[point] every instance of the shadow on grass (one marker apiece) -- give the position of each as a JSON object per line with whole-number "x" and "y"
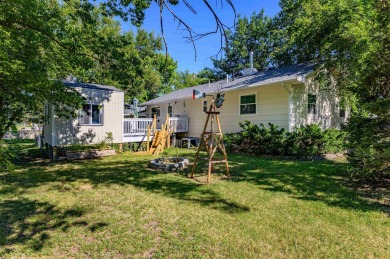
{"x": 311, "y": 181}
{"x": 121, "y": 171}
{"x": 322, "y": 181}
{"x": 25, "y": 221}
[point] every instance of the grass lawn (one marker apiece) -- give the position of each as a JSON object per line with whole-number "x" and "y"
{"x": 117, "y": 207}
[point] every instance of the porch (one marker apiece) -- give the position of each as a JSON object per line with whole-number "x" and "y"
{"x": 136, "y": 129}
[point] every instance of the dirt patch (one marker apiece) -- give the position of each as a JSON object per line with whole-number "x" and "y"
{"x": 153, "y": 226}
{"x": 86, "y": 187}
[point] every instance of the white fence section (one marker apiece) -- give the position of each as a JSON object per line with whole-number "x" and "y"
{"x": 178, "y": 124}
{"x": 136, "y": 126}
{"x": 139, "y": 126}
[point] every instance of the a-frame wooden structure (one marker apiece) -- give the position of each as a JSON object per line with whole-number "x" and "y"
{"x": 211, "y": 141}
{"x": 161, "y": 138}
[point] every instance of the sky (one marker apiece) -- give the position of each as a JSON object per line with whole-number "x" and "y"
{"x": 203, "y": 21}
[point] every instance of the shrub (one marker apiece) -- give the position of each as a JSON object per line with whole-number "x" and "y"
{"x": 369, "y": 147}
{"x": 305, "y": 141}
{"x": 335, "y": 140}
{"x": 308, "y": 140}
{"x": 6, "y": 157}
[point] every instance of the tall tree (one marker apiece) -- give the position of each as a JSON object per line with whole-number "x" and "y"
{"x": 43, "y": 40}
{"x": 351, "y": 41}
{"x": 250, "y": 35}
{"x": 46, "y": 40}
{"x": 33, "y": 53}
{"x": 211, "y": 74}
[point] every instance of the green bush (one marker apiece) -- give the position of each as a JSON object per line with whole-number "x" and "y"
{"x": 305, "y": 141}
{"x": 335, "y": 140}
{"x": 6, "y": 157}
{"x": 308, "y": 140}
{"x": 369, "y": 147}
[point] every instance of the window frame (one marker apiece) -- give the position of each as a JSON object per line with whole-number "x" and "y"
{"x": 170, "y": 107}
{"x": 101, "y": 114}
{"x": 255, "y": 103}
{"x": 342, "y": 113}
{"x": 310, "y": 108}
{"x": 157, "y": 111}
{"x": 204, "y": 106}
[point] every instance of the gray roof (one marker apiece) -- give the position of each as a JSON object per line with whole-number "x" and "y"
{"x": 91, "y": 86}
{"x": 295, "y": 72}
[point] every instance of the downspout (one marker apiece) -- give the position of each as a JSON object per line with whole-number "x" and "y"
{"x": 288, "y": 88}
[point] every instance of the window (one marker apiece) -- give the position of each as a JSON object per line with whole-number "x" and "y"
{"x": 248, "y": 104}
{"x": 91, "y": 114}
{"x": 170, "y": 110}
{"x": 311, "y": 104}
{"x": 156, "y": 110}
{"x": 342, "y": 113}
{"x": 204, "y": 106}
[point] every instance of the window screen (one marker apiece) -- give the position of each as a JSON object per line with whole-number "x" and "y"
{"x": 155, "y": 110}
{"x": 248, "y": 104}
{"x": 90, "y": 114}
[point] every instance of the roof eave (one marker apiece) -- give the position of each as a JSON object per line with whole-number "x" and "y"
{"x": 298, "y": 79}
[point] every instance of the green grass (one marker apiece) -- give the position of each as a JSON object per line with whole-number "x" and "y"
{"x": 117, "y": 207}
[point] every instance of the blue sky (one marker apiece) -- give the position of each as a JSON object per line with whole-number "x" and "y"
{"x": 201, "y": 22}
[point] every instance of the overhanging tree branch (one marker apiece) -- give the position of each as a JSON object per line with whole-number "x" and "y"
{"x": 9, "y": 23}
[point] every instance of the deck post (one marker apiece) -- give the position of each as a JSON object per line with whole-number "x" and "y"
{"x": 168, "y": 125}
{"x": 154, "y": 123}
{"x": 148, "y": 139}
{"x": 55, "y": 154}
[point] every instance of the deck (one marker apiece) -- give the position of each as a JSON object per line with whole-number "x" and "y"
{"x": 135, "y": 129}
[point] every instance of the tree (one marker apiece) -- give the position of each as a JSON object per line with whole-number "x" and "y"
{"x": 350, "y": 40}
{"x": 130, "y": 61}
{"x": 42, "y": 41}
{"x": 46, "y": 40}
{"x": 135, "y": 11}
{"x": 251, "y": 35}
{"x": 211, "y": 74}
{"x": 184, "y": 79}
{"x": 33, "y": 53}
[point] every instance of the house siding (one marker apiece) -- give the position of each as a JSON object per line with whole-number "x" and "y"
{"x": 272, "y": 105}
{"x": 327, "y": 105}
{"x": 68, "y": 131}
{"x": 283, "y": 104}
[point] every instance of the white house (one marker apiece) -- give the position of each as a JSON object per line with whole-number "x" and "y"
{"x": 287, "y": 97}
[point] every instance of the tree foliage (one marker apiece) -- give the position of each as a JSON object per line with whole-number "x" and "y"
{"x": 351, "y": 39}
{"x": 350, "y": 42}
{"x": 250, "y": 34}
{"x": 33, "y": 52}
{"x": 42, "y": 41}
